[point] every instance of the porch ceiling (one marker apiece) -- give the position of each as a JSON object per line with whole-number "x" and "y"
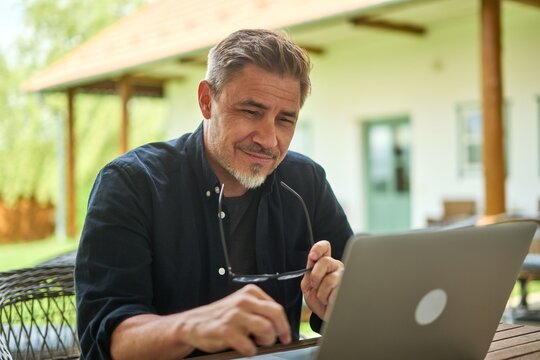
{"x": 152, "y": 43}
{"x": 170, "y": 29}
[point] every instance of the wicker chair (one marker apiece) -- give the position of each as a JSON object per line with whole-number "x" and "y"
{"x": 4, "y": 353}
{"x": 37, "y": 312}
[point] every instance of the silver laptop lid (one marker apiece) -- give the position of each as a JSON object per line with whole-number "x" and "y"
{"x": 425, "y": 295}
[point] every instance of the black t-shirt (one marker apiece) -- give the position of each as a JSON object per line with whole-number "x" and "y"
{"x": 241, "y": 240}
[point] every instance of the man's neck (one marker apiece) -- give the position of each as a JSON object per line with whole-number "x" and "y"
{"x": 232, "y": 187}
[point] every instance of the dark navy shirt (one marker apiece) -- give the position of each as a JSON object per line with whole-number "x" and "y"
{"x": 150, "y": 242}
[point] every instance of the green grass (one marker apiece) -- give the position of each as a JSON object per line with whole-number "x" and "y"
{"x": 305, "y": 330}
{"x": 24, "y": 254}
{"x": 532, "y": 287}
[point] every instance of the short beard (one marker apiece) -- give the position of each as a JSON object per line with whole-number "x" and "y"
{"x": 250, "y": 180}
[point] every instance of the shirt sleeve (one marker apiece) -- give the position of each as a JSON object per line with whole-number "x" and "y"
{"x": 113, "y": 266}
{"x": 330, "y": 221}
{"x": 330, "y": 224}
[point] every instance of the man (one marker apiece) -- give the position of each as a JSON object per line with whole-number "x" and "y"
{"x": 173, "y": 228}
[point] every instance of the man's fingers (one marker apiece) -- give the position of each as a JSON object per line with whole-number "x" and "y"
{"x": 243, "y": 328}
{"x": 319, "y": 284}
{"x": 261, "y": 329}
{"x": 318, "y": 250}
{"x": 264, "y": 306}
{"x": 332, "y": 296}
{"x": 239, "y": 321}
{"x": 324, "y": 266}
{"x": 275, "y": 313}
{"x": 329, "y": 284}
{"x": 251, "y": 326}
{"x": 241, "y": 343}
{"x": 256, "y": 291}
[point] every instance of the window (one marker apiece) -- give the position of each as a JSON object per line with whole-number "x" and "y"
{"x": 470, "y": 138}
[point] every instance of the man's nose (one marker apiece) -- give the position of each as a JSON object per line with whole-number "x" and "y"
{"x": 265, "y": 134}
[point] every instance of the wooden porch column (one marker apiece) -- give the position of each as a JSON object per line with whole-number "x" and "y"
{"x": 494, "y": 171}
{"x": 70, "y": 168}
{"x": 125, "y": 91}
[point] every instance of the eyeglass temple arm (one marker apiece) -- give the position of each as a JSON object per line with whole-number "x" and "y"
{"x": 222, "y": 232}
{"x": 288, "y": 188}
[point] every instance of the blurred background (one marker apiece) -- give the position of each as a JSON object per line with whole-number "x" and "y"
{"x": 34, "y": 34}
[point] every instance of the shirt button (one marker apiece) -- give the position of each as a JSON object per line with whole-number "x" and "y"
{"x": 208, "y": 193}
{"x": 221, "y": 214}
{"x": 216, "y": 189}
{"x": 221, "y": 271}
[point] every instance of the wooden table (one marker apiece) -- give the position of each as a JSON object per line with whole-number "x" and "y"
{"x": 510, "y": 342}
{"x": 515, "y": 342}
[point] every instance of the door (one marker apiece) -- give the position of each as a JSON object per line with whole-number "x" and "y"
{"x": 387, "y": 179}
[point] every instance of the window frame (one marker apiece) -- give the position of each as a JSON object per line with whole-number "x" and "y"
{"x": 465, "y": 170}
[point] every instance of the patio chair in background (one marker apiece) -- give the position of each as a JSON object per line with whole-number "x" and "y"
{"x": 530, "y": 271}
{"x": 454, "y": 211}
{"x": 37, "y": 312}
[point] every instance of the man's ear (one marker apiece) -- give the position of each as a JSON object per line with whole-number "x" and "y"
{"x": 205, "y": 100}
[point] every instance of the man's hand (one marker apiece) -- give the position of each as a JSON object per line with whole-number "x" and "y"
{"x": 241, "y": 321}
{"x": 320, "y": 284}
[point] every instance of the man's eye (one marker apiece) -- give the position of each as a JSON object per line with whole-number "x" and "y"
{"x": 287, "y": 120}
{"x": 249, "y": 112}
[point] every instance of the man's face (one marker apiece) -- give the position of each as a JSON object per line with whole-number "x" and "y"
{"x": 249, "y": 127}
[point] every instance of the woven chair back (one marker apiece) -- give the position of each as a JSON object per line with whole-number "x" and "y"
{"x": 37, "y": 313}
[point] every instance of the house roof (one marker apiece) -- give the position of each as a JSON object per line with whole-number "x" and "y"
{"x": 169, "y": 29}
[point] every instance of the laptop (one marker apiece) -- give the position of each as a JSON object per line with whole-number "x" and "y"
{"x": 422, "y": 295}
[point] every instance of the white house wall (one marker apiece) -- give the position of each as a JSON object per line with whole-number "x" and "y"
{"x": 522, "y": 85}
{"x": 184, "y": 114}
{"x": 424, "y": 78}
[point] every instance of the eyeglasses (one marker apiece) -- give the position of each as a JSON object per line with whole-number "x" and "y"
{"x": 243, "y": 278}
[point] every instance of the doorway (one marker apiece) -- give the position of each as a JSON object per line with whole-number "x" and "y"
{"x": 387, "y": 174}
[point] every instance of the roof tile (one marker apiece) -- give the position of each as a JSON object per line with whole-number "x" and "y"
{"x": 168, "y": 28}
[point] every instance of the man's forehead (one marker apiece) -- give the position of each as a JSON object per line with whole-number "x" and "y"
{"x": 257, "y": 75}
{"x": 256, "y": 86}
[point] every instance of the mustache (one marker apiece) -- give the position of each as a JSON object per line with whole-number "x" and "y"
{"x": 272, "y": 152}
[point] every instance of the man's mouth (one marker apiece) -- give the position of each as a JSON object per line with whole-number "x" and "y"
{"x": 260, "y": 155}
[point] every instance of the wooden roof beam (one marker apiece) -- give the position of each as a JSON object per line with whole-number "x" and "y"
{"x": 315, "y": 50}
{"x": 411, "y": 29}
{"x": 193, "y": 60}
{"x": 202, "y": 61}
{"x": 141, "y": 87}
{"x": 535, "y": 3}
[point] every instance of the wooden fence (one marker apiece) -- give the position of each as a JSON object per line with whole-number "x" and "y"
{"x": 26, "y": 220}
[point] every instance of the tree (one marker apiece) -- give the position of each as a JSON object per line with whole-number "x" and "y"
{"x": 31, "y": 124}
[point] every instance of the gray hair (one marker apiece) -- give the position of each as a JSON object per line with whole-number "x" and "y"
{"x": 269, "y": 50}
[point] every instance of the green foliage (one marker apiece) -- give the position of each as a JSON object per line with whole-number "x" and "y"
{"x": 26, "y": 254}
{"x": 26, "y": 142}
{"x": 57, "y": 26}
{"x": 97, "y": 132}
{"x": 32, "y": 126}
